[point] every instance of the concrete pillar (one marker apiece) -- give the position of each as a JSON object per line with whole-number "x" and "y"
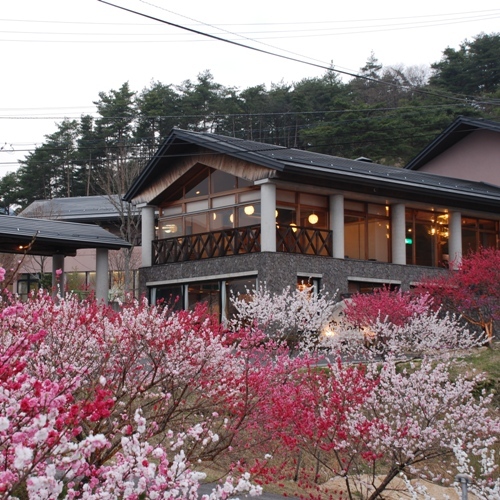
{"x": 398, "y": 233}
{"x": 102, "y": 275}
{"x": 147, "y": 234}
{"x": 337, "y": 225}
{"x": 57, "y": 275}
{"x": 268, "y": 217}
{"x": 455, "y": 239}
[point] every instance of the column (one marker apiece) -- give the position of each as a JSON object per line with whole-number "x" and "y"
{"x": 268, "y": 217}
{"x": 102, "y": 275}
{"x": 337, "y": 225}
{"x": 57, "y": 275}
{"x": 455, "y": 241}
{"x": 398, "y": 233}
{"x": 147, "y": 233}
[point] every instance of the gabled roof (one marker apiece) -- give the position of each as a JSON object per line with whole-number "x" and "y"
{"x": 311, "y": 168}
{"x": 50, "y": 237}
{"x": 457, "y": 131}
{"x": 76, "y": 209}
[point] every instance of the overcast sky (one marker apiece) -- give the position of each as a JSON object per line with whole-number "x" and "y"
{"x": 57, "y": 55}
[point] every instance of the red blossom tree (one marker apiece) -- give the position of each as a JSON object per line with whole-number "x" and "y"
{"x": 473, "y": 291}
{"x": 388, "y": 306}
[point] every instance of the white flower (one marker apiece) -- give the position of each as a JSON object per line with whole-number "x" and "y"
{"x": 4, "y": 423}
{"x": 23, "y": 456}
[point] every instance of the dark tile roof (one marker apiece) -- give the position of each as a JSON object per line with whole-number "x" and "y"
{"x": 458, "y": 130}
{"x": 319, "y": 169}
{"x": 81, "y": 208}
{"x": 51, "y": 236}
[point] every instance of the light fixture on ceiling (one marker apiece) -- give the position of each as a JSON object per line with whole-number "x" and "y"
{"x": 313, "y": 218}
{"x": 249, "y": 209}
{"x": 294, "y": 227}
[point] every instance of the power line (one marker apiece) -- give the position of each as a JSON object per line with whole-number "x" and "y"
{"x": 293, "y": 59}
{"x": 250, "y": 115}
{"x": 301, "y": 22}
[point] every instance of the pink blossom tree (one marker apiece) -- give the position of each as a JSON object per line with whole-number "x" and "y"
{"x": 84, "y": 389}
{"x": 297, "y": 316}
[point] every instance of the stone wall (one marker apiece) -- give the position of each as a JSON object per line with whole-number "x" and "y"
{"x": 279, "y": 270}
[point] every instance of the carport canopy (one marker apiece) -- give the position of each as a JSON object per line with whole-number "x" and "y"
{"x": 22, "y": 235}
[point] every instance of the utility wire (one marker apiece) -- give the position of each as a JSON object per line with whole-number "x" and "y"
{"x": 293, "y": 59}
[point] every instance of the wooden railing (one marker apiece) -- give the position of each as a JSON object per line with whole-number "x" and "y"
{"x": 304, "y": 240}
{"x": 238, "y": 241}
{"x": 207, "y": 245}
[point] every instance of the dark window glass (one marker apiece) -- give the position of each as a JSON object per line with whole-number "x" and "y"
{"x": 197, "y": 186}
{"x": 221, "y": 181}
{"x": 249, "y": 215}
{"x": 208, "y": 292}
{"x": 238, "y": 288}
{"x": 171, "y": 296}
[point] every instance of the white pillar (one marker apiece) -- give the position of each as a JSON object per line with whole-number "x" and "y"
{"x": 57, "y": 274}
{"x": 268, "y": 217}
{"x": 398, "y": 233}
{"x": 337, "y": 225}
{"x": 147, "y": 234}
{"x": 455, "y": 239}
{"x": 102, "y": 275}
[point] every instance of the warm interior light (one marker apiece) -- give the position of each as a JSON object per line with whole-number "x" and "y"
{"x": 313, "y": 218}
{"x": 231, "y": 218}
{"x": 328, "y": 332}
{"x": 249, "y": 209}
{"x": 169, "y": 228}
{"x": 276, "y": 213}
{"x": 214, "y": 215}
{"x": 294, "y": 227}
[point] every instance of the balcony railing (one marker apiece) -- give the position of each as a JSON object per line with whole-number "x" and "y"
{"x": 238, "y": 241}
{"x": 304, "y": 240}
{"x": 207, "y": 245}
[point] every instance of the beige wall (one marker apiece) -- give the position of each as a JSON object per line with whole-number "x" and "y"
{"x": 475, "y": 158}
{"x": 85, "y": 260}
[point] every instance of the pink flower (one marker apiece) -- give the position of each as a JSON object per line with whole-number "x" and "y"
{"x": 2, "y": 273}
{"x": 58, "y": 272}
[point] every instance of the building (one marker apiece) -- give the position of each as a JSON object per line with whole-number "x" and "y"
{"x": 108, "y": 212}
{"x": 468, "y": 149}
{"x": 220, "y": 214}
{"x": 57, "y": 240}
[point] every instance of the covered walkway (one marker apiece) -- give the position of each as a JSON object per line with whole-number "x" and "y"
{"x": 56, "y": 239}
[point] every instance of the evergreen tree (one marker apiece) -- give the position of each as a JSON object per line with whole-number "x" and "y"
{"x": 158, "y": 112}
{"x": 473, "y": 69}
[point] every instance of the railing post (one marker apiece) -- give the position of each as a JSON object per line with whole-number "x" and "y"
{"x": 464, "y": 480}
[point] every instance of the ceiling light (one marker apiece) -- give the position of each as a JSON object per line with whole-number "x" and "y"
{"x": 313, "y": 218}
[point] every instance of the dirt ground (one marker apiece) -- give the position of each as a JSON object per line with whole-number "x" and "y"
{"x": 398, "y": 490}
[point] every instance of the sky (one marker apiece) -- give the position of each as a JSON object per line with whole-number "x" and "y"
{"x": 57, "y": 55}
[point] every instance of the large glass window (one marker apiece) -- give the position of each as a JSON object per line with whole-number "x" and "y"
{"x": 478, "y": 233}
{"x": 366, "y": 231}
{"x": 427, "y": 236}
{"x": 171, "y": 296}
{"x": 205, "y": 292}
{"x": 236, "y": 288}
{"x": 215, "y": 294}
{"x": 211, "y": 201}
{"x": 197, "y": 187}
{"x": 301, "y": 209}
